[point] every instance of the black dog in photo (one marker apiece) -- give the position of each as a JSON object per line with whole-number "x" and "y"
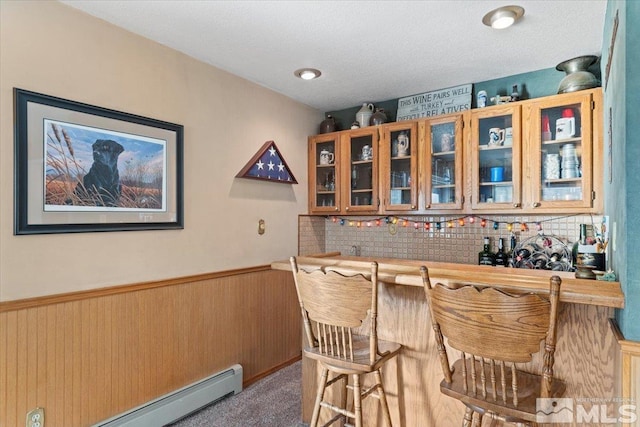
{"x": 101, "y": 185}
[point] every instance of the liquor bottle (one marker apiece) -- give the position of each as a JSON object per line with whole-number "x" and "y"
{"x": 486, "y": 257}
{"x": 581, "y": 241}
{"x": 510, "y": 254}
{"x": 501, "y": 257}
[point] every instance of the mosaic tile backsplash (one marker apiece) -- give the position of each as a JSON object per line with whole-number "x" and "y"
{"x": 459, "y": 244}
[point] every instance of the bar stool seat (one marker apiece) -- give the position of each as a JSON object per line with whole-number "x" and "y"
{"x": 339, "y": 311}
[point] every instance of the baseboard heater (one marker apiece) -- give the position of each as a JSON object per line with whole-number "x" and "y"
{"x": 182, "y": 402}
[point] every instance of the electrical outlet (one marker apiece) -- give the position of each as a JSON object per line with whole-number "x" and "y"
{"x": 35, "y": 418}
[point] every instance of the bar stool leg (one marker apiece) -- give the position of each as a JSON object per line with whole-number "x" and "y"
{"x": 468, "y": 417}
{"x": 383, "y": 398}
{"x": 345, "y": 394}
{"x": 357, "y": 399}
{"x": 319, "y": 395}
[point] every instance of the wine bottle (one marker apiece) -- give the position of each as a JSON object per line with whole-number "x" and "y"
{"x": 511, "y": 253}
{"x": 486, "y": 257}
{"x": 501, "y": 257}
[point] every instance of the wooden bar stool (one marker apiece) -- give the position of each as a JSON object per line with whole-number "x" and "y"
{"x": 494, "y": 330}
{"x": 338, "y": 301}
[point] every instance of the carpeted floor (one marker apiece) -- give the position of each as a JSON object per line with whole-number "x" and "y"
{"x": 274, "y": 401}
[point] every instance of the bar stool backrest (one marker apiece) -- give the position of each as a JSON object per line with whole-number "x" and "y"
{"x": 494, "y": 327}
{"x": 335, "y": 304}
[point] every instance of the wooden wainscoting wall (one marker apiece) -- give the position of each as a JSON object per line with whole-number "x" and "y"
{"x": 629, "y": 371}
{"x": 87, "y": 356}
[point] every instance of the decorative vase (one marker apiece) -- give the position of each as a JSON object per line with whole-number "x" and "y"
{"x": 328, "y": 125}
{"x": 363, "y": 114}
{"x": 378, "y": 118}
{"x": 578, "y": 77}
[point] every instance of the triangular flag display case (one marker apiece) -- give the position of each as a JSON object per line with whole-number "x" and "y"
{"x": 268, "y": 165}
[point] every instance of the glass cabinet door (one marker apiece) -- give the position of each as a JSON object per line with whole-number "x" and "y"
{"x": 398, "y": 157}
{"x": 324, "y": 173}
{"x": 361, "y": 170}
{"x": 443, "y": 163}
{"x": 496, "y": 146}
{"x": 561, "y": 141}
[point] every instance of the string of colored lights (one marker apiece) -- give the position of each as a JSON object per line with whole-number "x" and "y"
{"x": 438, "y": 225}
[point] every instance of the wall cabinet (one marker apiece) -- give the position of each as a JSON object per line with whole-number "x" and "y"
{"x": 343, "y": 172}
{"x": 324, "y": 173}
{"x": 399, "y": 167}
{"x": 405, "y": 167}
{"x": 442, "y": 162}
{"x": 495, "y": 158}
{"x": 536, "y": 156}
{"x": 360, "y": 188}
{"x": 564, "y": 148}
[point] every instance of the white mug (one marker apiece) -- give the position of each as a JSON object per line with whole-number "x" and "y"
{"x": 496, "y": 136}
{"x": 326, "y": 157}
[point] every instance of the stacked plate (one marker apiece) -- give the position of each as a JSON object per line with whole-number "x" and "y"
{"x": 569, "y": 161}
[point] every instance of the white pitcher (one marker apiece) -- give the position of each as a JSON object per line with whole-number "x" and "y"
{"x": 364, "y": 114}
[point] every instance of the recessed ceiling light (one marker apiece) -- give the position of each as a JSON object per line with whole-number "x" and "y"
{"x": 307, "y": 73}
{"x": 503, "y": 17}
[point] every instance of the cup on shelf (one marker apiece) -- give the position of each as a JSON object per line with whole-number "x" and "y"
{"x": 496, "y": 137}
{"x": 326, "y": 157}
{"x": 502, "y": 194}
{"x": 367, "y": 153}
{"x": 496, "y": 174}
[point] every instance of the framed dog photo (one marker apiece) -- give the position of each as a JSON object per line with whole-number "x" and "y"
{"x": 82, "y": 168}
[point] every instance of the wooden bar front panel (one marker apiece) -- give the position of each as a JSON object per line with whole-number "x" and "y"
{"x": 584, "y": 359}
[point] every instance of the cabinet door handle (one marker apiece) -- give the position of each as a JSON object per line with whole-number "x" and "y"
{"x": 347, "y": 208}
{"x": 413, "y": 207}
{"x": 536, "y": 204}
{"x": 427, "y": 206}
{"x": 337, "y": 209}
{"x": 516, "y": 205}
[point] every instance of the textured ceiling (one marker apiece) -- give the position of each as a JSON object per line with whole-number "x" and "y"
{"x": 367, "y": 51}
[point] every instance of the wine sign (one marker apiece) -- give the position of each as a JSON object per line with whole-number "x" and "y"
{"x": 436, "y": 103}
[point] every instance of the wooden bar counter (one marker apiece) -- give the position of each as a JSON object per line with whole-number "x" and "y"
{"x": 584, "y": 356}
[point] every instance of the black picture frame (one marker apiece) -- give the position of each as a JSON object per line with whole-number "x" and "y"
{"x": 83, "y": 168}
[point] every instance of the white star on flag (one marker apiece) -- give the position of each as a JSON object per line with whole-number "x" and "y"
{"x": 271, "y": 165}
{"x": 260, "y": 164}
{"x": 280, "y": 167}
{"x": 272, "y": 151}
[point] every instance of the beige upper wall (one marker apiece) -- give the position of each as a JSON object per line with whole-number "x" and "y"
{"x": 53, "y": 49}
